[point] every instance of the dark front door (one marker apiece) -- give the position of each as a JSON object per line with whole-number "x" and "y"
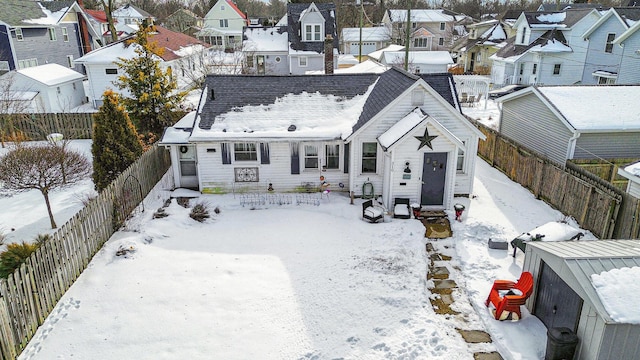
{"x": 434, "y": 170}
{"x": 557, "y": 305}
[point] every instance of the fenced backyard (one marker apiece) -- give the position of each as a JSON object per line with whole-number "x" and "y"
{"x": 29, "y": 295}
{"x": 597, "y": 205}
{"x": 38, "y": 126}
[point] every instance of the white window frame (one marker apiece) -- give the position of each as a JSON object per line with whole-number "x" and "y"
{"x": 460, "y": 161}
{"x": 224, "y": 23}
{"x": 559, "y": 69}
{"x": 246, "y": 148}
{"x": 70, "y": 61}
{"x": 312, "y": 32}
{"x": 19, "y": 34}
{"x": 311, "y": 156}
{"x": 442, "y": 26}
{"x": 4, "y": 67}
{"x": 441, "y": 41}
{"x": 327, "y": 155}
{"x": 608, "y": 47}
{"x": 303, "y": 61}
{"x": 417, "y": 97}
{"x": 109, "y": 71}
{"x": 27, "y": 63}
{"x": 420, "y": 42}
{"x": 363, "y": 158}
{"x": 65, "y": 34}
{"x": 52, "y": 34}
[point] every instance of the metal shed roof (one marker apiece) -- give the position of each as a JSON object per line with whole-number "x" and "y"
{"x": 581, "y": 259}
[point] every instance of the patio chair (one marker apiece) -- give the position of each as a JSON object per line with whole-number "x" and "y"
{"x": 401, "y": 208}
{"x": 508, "y": 296}
{"x": 371, "y": 213}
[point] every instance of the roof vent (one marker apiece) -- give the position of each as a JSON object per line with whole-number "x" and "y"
{"x": 291, "y": 128}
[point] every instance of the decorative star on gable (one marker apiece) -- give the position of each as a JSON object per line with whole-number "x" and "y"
{"x": 426, "y": 139}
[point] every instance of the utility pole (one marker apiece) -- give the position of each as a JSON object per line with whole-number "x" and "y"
{"x": 360, "y": 43}
{"x": 408, "y": 37}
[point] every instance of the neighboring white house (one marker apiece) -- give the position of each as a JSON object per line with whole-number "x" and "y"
{"x": 393, "y": 135}
{"x": 365, "y": 40}
{"x": 632, "y": 173}
{"x": 128, "y": 18}
{"x": 222, "y": 26}
{"x": 548, "y": 49}
{"x": 420, "y": 62}
{"x": 49, "y": 88}
{"x": 182, "y": 53}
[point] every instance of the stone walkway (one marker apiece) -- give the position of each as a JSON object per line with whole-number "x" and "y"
{"x": 443, "y": 287}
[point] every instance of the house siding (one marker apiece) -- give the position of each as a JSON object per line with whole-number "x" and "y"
{"x": 542, "y": 132}
{"x": 216, "y": 177}
{"x": 633, "y": 188}
{"x": 630, "y": 66}
{"x": 597, "y": 58}
{"x": 617, "y": 334}
{"x": 624, "y": 144}
{"x": 36, "y": 44}
{"x": 315, "y": 62}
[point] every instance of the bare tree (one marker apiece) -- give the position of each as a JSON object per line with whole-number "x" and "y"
{"x": 13, "y": 106}
{"x": 43, "y": 168}
{"x": 108, "y": 6}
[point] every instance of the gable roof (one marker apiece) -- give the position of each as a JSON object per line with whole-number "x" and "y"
{"x": 232, "y": 93}
{"x": 629, "y": 32}
{"x": 588, "y": 108}
{"x": 422, "y": 15}
{"x": 172, "y": 42}
{"x": 295, "y": 10}
{"x": 132, "y": 11}
{"x": 552, "y": 41}
{"x": 418, "y": 57}
{"x": 377, "y": 33}
{"x": 33, "y": 13}
{"x": 50, "y": 74}
{"x": 559, "y": 6}
{"x": 98, "y": 15}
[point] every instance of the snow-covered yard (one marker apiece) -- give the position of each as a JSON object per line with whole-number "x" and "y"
{"x": 293, "y": 282}
{"x": 285, "y": 281}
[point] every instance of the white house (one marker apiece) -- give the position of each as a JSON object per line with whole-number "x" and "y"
{"x": 391, "y": 135}
{"x": 420, "y": 62}
{"x": 182, "y": 53}
{"x": 632, "y": 173}
{"x": 222, "y": 26}
{"x": 49, "y": 88}
{"x": 364, "y": 40}
{"x": 128, "y": 17}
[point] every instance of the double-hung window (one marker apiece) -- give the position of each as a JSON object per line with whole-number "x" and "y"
{"x": 369, "y": 157}
{"x": 608, "y": 48}
{"x": 556, "y": 69}
{"x": 65, "y": 34}
{"x": 332, "y": 156}
{"x": 245, "y": 152}
{"x": 19, "y": 35}
{"x": 310, "y": 157}
{"x": 312, "y": 32}
{"x": 460, "y": 160}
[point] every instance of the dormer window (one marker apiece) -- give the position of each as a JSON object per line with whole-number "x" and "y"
{"x": 312, "y": 32}
{"x": 524, "y": 35}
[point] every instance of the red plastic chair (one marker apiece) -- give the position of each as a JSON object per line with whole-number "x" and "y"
{"x": 509, "y": 302}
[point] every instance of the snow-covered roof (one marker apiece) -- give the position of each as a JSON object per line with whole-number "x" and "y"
{"x": 378, "y": 53}
{"x": 378, "y": 33}
{"x": 51, "y": 74}
{"x": 49, "y": 17}
{"x": 551, "y": 46}
{"x": 421, "y": 15}
{"x": 619, "y": 289}
{"x": 180, "y": 132}
{"x": 266, "y": 39}
{"x": 368, "y": 66}
{"x": 419, "y": 57}
{"x": 589, "y": 108}
{"x": 274, "y": 120}
{"x": 633, "y": 169}
{"x": 400, "y": 128}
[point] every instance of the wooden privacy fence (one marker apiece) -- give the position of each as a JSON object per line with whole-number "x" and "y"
{"x": 29, "y": 295}
{"x": 597, "y": 205}
{"x": 37, "y": 126}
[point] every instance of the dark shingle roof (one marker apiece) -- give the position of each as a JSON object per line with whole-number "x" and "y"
{"x": 553, "y": 6}
{"x": 513, "y": 50}
{"x": 14, "y": 12}
{"x": 236, "y": 91}
{"x": 442, "y": 84}
{"x": 54, "y": 6}
{"x": 293, "y": 20}
{"x": 392, "y": 83}
{"x": 629, "y": 13}
{"x": 572, "y": 16}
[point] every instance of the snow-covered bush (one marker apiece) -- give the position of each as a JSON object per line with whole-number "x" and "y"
{"x": 200, "y": 212}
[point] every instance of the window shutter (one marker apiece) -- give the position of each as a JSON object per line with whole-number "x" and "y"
{"x": 264, "y": 153}
{"x": 295, "y": 158}
{"x": 226, "y": 153}
{"x": 346, "y": 158}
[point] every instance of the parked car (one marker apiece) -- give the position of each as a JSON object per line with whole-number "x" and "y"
{"x": 496, "y": 93}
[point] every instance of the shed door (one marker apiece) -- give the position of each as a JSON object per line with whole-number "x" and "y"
{"x": 557, "y": 305}
{"x": 434, "y": 169}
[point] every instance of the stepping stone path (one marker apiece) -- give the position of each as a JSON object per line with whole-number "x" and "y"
{"x": 443, "y": 288}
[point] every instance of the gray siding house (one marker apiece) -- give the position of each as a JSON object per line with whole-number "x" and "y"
{"x": 37, "y": 33}
{"x": 564, "y": 294}
{"x": 604, "y": 58}
{"x": 391, "y": 135}
{"x": 574, "y": 122}
{"x": 630, "y": 65}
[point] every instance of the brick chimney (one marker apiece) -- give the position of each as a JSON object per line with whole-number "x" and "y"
{"x": 328, "y": 54}
{"x": 84, "y": 30}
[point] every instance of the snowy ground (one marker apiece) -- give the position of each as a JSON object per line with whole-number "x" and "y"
{"x": 285, "y": 281}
